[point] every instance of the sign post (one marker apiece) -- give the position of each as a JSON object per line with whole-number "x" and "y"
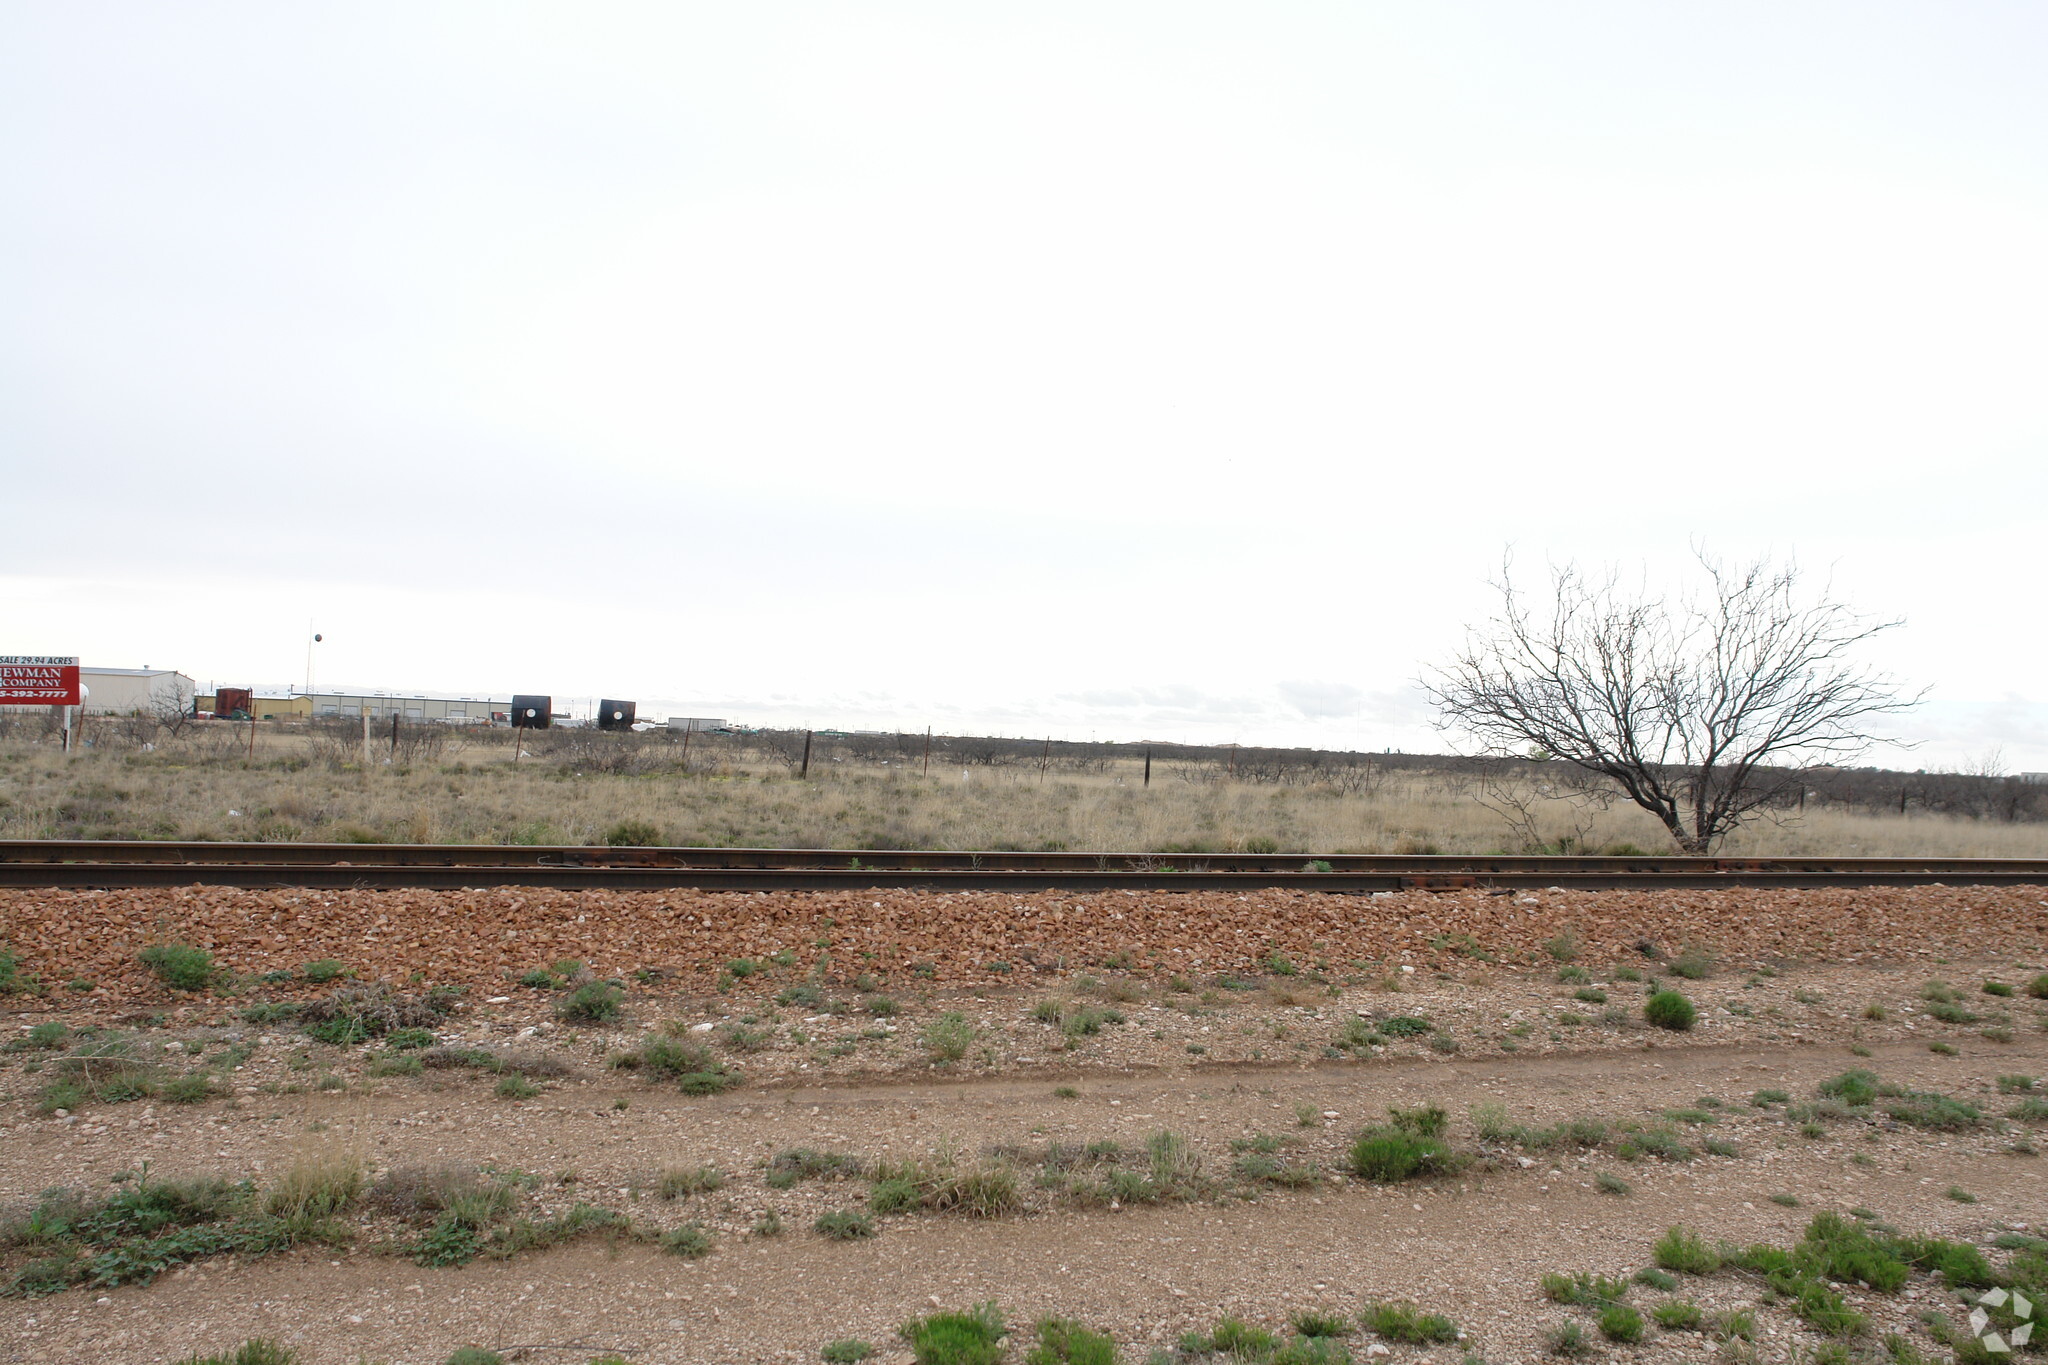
{"x": 39, "y": 680}
{"x": 42, "y": 680}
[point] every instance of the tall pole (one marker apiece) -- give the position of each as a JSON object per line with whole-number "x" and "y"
{"x": 1148, "y": 767}
{"x": 927, "y": 751}
{"x": 687, "y": 727}
{"x": 807, "y": 756}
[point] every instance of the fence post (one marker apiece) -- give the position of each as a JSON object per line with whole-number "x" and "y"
{"x": 1148, "y": 767}
{"x": 805, "y": 774}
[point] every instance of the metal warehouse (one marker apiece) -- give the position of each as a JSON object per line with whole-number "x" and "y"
{"x": 456, "y": 710}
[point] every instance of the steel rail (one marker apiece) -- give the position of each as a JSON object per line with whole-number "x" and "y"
{"x": 112, "y": 864}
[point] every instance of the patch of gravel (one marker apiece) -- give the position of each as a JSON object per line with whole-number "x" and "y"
{"x": 685, "y": 938}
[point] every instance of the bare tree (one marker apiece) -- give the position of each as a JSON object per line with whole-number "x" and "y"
{"x": 1523, "y": 795}
{"x": 171, "y": 713}
{"x": 1701, "y": 712}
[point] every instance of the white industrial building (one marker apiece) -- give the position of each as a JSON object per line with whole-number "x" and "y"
{"x": 454, "y": 710}
{"x": 135, "y": 691}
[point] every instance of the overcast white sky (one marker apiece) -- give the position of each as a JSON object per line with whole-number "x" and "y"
{"x": 1102, "y": 369}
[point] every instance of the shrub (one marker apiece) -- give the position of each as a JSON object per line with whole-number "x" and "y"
{"x": 1315, "y": 1323}
{"x": 1592, "y": 995}
{"x": 14, "y": 981}
{"x": 2038, "y": 987}
{"x": 1621, "y": 1323}
{"x": 632, "y": 834}
{"x": 1237, "y": 1338}
{"x": 187, "y": 1089}
{"x": 1857, "y": 1087}
{"x": 1998, "y": 988}
{"x": 517, "y": 1088}
{"x": 322, "y": 971}
{"x": 680, "y": 1182}
{"x": 319, "y": 1184}
{"x": 971, "y": 1338}
{"x": 178, "y": 965}
{"x": 1406, "y": 1322}
{"x": 1656, "y": 1279}
{"x": 1062, "y": 1341}
{"x": 1686, "y": 1252}
{"x": 475, "y": 1355}
{"x": 1405, "y": 1026}
{"x": 698, "y": 1071}
{"x": 845, "y": 1351}
{"x": 593, "y": 1002}
{"x": 255, "y": 1351}
{"x": 1567, "y": 1339}
{"x": 1387, "y": 1154}
{"x": 689, "y": 1241}
{"x": 1595, "y": 1291}
{"x": 1678, "y": 1315}
{"x": 845, "y": 1225}
{"x": 810, "y": 1163}
{"x": 1694, "y": 964}
{"x": 1609, "y": 1183}
{"x": 449, "y": 1242}
{"x": 947, "y": 1037}
{"x": 1921, "y": 1109}
{"x": 894, "y": 1195}
{"x": 1670, "y": 1010}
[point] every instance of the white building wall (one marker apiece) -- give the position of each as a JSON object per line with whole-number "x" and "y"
{"x": 123, "y": 691}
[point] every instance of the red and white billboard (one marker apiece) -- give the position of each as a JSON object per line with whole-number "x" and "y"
{"x": 38, "y": 680}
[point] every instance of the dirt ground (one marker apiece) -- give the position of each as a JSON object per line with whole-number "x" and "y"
{"x": 1244, "y": 1028}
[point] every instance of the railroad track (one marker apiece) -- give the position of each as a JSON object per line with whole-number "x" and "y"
{"x": 119, "y": 865}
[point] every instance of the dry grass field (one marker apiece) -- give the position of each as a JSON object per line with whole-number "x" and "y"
{"x": 457, "y": 787}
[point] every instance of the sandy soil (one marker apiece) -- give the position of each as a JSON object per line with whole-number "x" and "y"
{"x": 1471, "y": 1246}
